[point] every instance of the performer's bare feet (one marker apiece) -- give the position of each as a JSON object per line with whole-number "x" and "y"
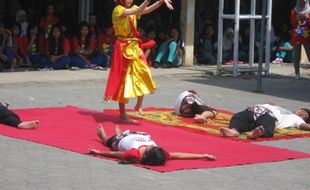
{"x": 200, "y": 119}
{"x": 257, "y": 132}
{"x": 126, "y": 119}
{"x": 118, "y": 130}
{"x": 101, "y": 134}
{"x": 229, "y": 132}
{"x": 29, "y": 124}
{"x": 139, "y": 110}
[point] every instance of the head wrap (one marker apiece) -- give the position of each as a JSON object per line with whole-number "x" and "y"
{"x": 303, "y": 10}
{"x": 193, "y": 96}
{"x": 20, "y": 13}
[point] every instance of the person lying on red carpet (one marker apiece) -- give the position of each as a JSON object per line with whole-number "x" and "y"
{"x": 188, "y": 104}
{"x": 7, "y": 117}
{"x": 262, "y": 119}
{"x": 138, "y": 148}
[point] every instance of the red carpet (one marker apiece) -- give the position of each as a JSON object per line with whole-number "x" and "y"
{"x": 73, "y": 129}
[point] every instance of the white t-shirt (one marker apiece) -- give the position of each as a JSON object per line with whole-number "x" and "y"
{"x": 135, "y": 141}
{"x": 285, "y": 117}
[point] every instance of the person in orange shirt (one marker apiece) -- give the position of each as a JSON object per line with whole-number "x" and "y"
{"x": 48, "y": 20}
{"x": 57, "y": 50}
{"x": 106, "y": 45}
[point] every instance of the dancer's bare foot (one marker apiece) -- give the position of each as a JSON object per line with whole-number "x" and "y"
{"x": 257, "y": 132}
{"x": 101, "y": 134}
{"x": 118, "y": 130}
{"x": 229, "y": 132}
{"x": 126, "y": 119}
{"x": 200, "y": 119}
{"x": 29, "y": 124}
{"x": 139, "y": 110}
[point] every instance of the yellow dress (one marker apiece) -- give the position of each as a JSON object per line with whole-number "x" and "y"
{"x": 129, "y": 75}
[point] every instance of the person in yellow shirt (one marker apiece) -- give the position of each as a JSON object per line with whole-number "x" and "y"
{"x": 130, "y": 76}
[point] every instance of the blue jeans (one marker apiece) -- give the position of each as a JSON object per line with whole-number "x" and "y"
{"x": 7, "y": 51}
{"x": 59, "y": 64}
{"x": 100, "y": 60}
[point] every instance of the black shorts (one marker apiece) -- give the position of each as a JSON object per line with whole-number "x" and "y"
{"x": 244, "y": 121}
{"x": 111, "y": 141}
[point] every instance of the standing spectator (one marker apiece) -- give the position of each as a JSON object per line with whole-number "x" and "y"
{"x": 58, "y": 48}
{"x": 48, "y": 20}
{"x": 171, "y": 52}
{"x": 84, "y": 47}
{"x": 21, "y": 18}
{"x": 300, "y": 22}
{"x": 244, "y": 44}
{"x": 94, "y": 28}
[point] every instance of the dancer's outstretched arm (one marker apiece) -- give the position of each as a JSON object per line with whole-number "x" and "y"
{"x": 156, "y": 5}
{"x": 137, "y": 11}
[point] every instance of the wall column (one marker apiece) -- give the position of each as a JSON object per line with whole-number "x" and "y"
{"x": 187, "y": 24}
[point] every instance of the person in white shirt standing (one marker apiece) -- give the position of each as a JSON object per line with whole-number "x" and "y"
{"x": 262, "y": 119}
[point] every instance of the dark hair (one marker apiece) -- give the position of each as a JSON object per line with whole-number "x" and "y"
{"x": 308, "y": 111}
{"x": 88, "y": 37}
{"x": 17, "y": 24}
{"x": 156, "y": 156}
{"x": 52, "y": 41}
{"x": 30, "y": 29}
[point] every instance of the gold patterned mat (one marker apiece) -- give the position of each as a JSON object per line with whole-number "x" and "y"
{"x": 167, "y": 117}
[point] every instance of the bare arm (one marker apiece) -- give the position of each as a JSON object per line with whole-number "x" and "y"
{"x": 184, "y": 156}
{"x": 136, "y": 11}
{"x": 110, "y": 154}
{"x": 305, "y": 127}
{"x": 152, "y": 7}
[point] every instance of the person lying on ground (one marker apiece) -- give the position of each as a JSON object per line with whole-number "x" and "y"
{"x": 7, "y": 117}
{"x": 138, "y": 148}
{"x": 262, "y": 120}
{"x": 188, "y": 104}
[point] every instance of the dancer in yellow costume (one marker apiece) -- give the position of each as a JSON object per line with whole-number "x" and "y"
{"x": 129, "y": 76}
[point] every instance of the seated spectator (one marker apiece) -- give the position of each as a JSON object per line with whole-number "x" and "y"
{"x": 7, "y": 59}
{"x": 147, "y": 44}
{"x": 283, "y": 47}
{"x": 94, "y": 28}
{"x": 34, "y": 45}
{"x": 58, "y": 48}
{"x": 7, "y": 117}
{"x": 207, "y": 45}
{"x": 84, "y": 49}
{"x": 19, "y": 45}
{"x": 244, "y": 47}
{"x": 262, "y": 119}
{"x": 106, "y": 45}
{"x": 21, "y": 18}
{"x": 228, "y": 44}
{"x": 171, "y": 52}
{"x": 47, "y": 22}
{"x": 188, "y": 104}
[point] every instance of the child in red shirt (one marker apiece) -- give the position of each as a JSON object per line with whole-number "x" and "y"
{"x": 138, "y": 147}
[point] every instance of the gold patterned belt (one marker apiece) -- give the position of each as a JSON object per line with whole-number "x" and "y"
{"x": 127, "y": 38}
